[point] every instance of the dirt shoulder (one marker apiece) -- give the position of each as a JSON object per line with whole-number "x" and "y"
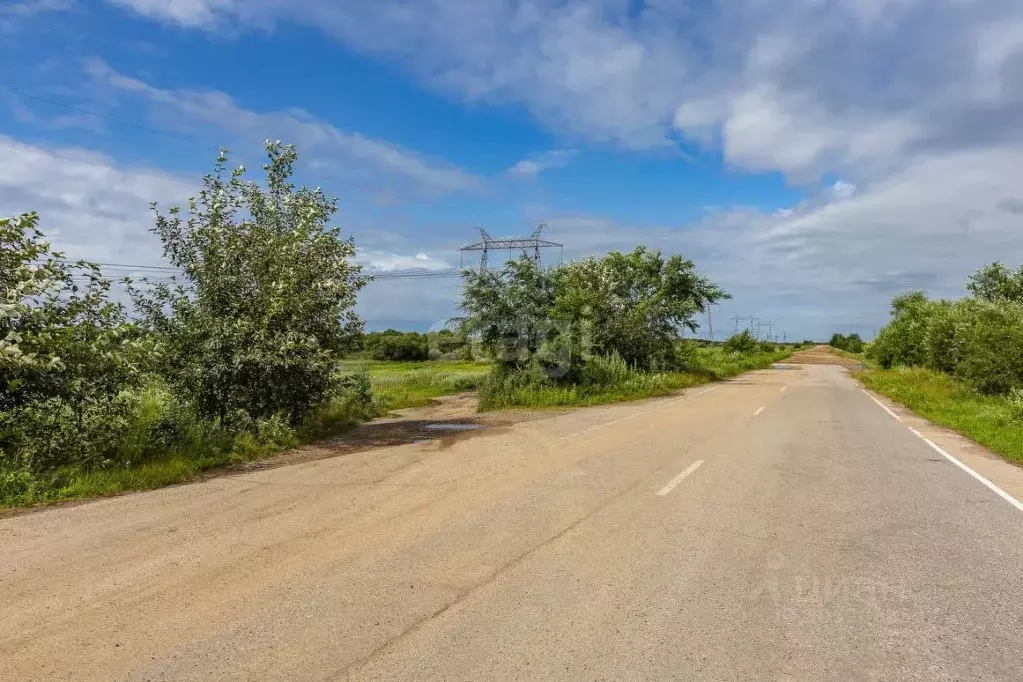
{"x": 822, "y": 355}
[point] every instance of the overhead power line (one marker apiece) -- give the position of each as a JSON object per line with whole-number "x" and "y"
{"x": 166, "y": 274}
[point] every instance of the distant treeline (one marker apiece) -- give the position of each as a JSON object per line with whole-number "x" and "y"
{"x": 413, "y": 346}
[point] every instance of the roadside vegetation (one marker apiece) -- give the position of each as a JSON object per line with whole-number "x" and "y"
{"x": 850, "y": 344}
{"x": 414, "y": 347}
{"x": 238, "y": 356}
{"x": 397, "y": 385}
{"x": 597, "y": 330}
{"x": 254, "y": 347}
{"x": 958, "y": 363}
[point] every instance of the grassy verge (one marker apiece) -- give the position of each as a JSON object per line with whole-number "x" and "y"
{"x": 620, "y": 383}
{"x": 991, "y": 421}
{"x": 168, "y": 445}
{"x": 861, "y": 357}
{"x": 398, "y": 385}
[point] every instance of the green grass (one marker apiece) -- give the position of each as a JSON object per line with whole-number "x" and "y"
{"x": 989, "y": 420}
{"x": 706, "y": 365}
{"x": 190, "y": 447}
{"x": 397, "y": 385}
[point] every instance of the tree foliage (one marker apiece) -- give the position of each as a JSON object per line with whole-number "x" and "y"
{"x": 510, "y": 311}
{"x": 264, "y": 309}
{"x": 632, "y": 306}
{"x": 996, "y": 282}
{"x": 397, "y": 346}
{"x": 67, "y": 356}
{"x": 977, "y": 339}
{"x": 636, "y": 304}
{"x": 742, "y": 343}
{"x": 852, "y": 343}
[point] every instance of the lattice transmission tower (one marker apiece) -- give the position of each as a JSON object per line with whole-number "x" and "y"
{"x": 531, "y": 246}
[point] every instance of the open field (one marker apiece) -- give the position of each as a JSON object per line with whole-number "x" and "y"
{"x": 397, "y": 385}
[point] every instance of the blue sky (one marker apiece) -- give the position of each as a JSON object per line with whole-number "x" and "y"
{"x": 814, "y": 158}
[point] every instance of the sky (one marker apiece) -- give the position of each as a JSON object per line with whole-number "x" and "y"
{"x": 813, "y": 157}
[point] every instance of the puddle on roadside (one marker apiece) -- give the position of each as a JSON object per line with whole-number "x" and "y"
{"x": 453, "y": 427}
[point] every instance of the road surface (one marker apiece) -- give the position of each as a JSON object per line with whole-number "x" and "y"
{"x": 782, "y": 526}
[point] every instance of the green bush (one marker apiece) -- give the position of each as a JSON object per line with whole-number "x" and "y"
{"x": 256, "y": 325}
{"x": 398, "y": 347}
{"x": 743, "y": 343}
{"x": 945, "y": 339}
{"x": 901, "y": 342}
{"x": 978, "y": 340}
{"x": 993, "y": 352}
{"x": 851, "y": 343}
{"x": 635, "y": 305}
{"x": 69, "y": 360}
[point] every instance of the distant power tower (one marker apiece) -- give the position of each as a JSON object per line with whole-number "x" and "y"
{"x": 530, "y": 246}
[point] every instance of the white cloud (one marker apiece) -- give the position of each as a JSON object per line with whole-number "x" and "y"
{"x": 193, "y": 13}
{"x": 382, "y": 168}
{"x": 90, "y": 206}
{"x": 801, "y": 86}
{"x": 538, "y": 163}
{"x": 378, "y": 261}
{"x": 915, "y": 104}
{"x": 834, "y": 262}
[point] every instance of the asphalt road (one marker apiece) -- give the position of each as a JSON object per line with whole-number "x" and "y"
{"x": 783, "y": 526}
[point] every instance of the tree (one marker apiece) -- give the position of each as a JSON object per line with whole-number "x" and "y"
{"x": 903, "y": 340}
{"x": 635, "y": 304}
{"x": 996, "y": 282}
{"x": 509, "y": 311}
{"x": 264, "y": 309}
{"x": 852, "y": 343}
{"x": 67, "y": 356}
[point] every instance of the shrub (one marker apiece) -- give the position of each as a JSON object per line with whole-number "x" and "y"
{"x": 742, "y": 343}
{"x": 993, "y": 350}
{"x": 68, "y": 359}
{"x": 264, "y": 311}
{"x": 851, "y": 343}
{"x": 979, "y": 339}
{"x": 410, "y": 347}
{"x": 901, "y": 342}
{"x": 944, "y": 342}
{"x": 635, "y": 305}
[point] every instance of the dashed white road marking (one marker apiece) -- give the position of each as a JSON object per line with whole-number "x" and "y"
{"x": 883, "y": 406}
{"x": 678, "y": 479}
{"x": 759, "y": 410}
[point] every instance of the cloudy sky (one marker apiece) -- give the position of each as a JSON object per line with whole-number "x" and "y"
{"x": 815, "y": 157}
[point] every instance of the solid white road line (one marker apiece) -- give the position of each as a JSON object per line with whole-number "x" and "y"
{"x": 1001, "y": 493}
{"x": 678, "y": 479}
{"x": 883, "y": 406}
{"x": 759, "y": 410}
